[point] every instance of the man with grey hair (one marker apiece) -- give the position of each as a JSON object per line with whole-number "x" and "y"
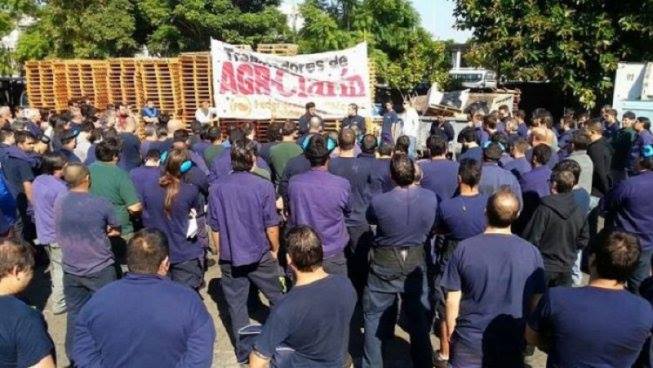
{"x": 6, "y": 117}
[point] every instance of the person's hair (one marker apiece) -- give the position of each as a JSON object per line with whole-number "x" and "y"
{"x": 171, "y": 178}
{"x": 368, "y": 144}
{"x": 563, "y": 180}
{"x": 542, "y": 117}
{"x": 616, "y": 256}
{"x": 629, "y": 115}
{"x": 304, "y": 248}
{"x": 213, "y": 134}
{"x": 146, "y": 250}
{"x": 580, "y": 139}
{"x": 521, "y": 145}
{"x": 502, "y": 208}
{"x": 542, "y": 135}
{"x": 490, "y": 122}
{"x": 386, "y": 149}
{"x": 520, "y": 114}
{"x": 153, "y": 154}
{"x": 354, "y": 106}
{"x": 235, "y": 135}
{"x": 107, "y": 149}
{"x": 15, "y": 255}
{"x": 161, "y": 131}
{"x": 243, "y": 155}
{"x": 470, "y": 171}
{"x": 180, "y": 135}
{"x": 346, "y": 139}
{"x": 274, "y": 131}
{"x": 248, "y": 128}
{"x": 611, "y": 112}
{"x": 196, "y": 127}
{"x": 310, "y": 105}
{"x": 52, "y": 162}
{"x": 315, "y": 123}
{"x": 468, "y": 135}
{"x": 87, "y": 127}
{"x": 288, "y": 128}
{"x": 317, "y": 151}
{"x": 595, "y": 127}
{"x": 5, "y": 133}
{"x": 23, "y": 136}
{"x": 74, "y": 173}
{"x": 492, "y": 152}
{"x": 504, "y": 107}
{"x": 644, "y": 121}
{"x": 570, "y": 166}
{"x": 402, "y": 144}
{"x": 437, "y": 145}
{"x": 402, "y": 170}
{"x": 542, "y": 153}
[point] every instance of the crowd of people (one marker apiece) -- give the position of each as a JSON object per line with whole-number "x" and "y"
{"x": 346, "y": 234}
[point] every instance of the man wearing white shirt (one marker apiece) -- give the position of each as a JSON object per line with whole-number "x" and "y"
{"x": 411, "y": 126}
{"x": 206, "y": 114}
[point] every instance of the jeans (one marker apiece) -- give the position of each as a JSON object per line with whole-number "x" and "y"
{"x": 265, "y": 274}
{"x": 412, "y": 148}
{"x": 78, "y": 290}
{"x": 336, "y": 265}
{"x": 360, "y": 240}
{"x": 56, "y": 276}
{"x": 383, "y": 286}
{"x": 189, "y": 273}
{"x": 642, "y": 271}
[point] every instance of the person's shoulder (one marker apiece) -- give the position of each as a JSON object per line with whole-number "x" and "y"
{"x": 426, "y": 194}
{"x": 17, "y": 309}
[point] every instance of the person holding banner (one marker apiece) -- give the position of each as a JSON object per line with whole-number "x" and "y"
{"x": 354, "y": 121}
{"x": 306, "y": 118}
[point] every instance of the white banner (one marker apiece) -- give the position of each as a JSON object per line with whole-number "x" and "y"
{"x": 251, "y": 85}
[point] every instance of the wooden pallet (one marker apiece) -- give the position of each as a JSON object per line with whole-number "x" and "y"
{"x": 196, "y": 82}
{"x": 160, "y": 81}
{"x": 122, "y": 81}
{"x": 283, "y": 49}
{"x": 40, "y": 83}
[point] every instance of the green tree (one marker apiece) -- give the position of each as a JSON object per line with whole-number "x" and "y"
{"x": 403, "y": 52}
{"x": 576, "y": 44}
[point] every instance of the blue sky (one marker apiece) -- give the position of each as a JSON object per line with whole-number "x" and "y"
{"x": 437, "y": 18}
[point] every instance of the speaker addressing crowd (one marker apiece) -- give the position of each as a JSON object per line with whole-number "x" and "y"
{"x": 517, "y": 233}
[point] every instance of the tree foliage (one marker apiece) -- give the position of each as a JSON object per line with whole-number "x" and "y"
{"x": 404, "y": 53}
{"x": 102, "y": 28}
{"x": 573, "y": 43}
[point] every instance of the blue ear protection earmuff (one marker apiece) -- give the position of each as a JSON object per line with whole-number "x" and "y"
{"x": 185, "y": 166}
{"x": 647, "y": 151}
{"x": 488, "y": 143}
{"x": 331, "y": 144}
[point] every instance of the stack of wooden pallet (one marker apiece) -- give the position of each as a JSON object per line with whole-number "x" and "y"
{"x": 122, "y": 81}
{"x": 40, "y": 83}
{"x": 160, "y": 82}
{"x": 86, "y": 79}
{"x": 196, "y": 82}
{"x": 282, "y": 49}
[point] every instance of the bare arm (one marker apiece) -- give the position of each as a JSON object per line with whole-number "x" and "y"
{"x": 273, "y": 237}
{"x": 135, "y": 208}
{"x": 452, "y": 309}
{"x": 215, "y": 247}
{"x": 46, "y": 362}
{"x": 256, "y": 360}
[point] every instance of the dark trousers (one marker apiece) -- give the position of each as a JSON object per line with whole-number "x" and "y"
{"x": 189, "y": 273}
{"x": 77, "y": 291}
{"x": 336, "y": 265}
{"x": 384, "y": 284}
{"x": 557, "y": 278}
{"x": 235, "y": 283}
{"x": 642, "y": 271}
{"x": 360, "y": 241}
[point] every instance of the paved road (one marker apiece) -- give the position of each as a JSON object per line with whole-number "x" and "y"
{"x": 397, "y": 351}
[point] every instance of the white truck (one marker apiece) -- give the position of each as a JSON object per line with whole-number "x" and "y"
{"x": 633, "y": 89}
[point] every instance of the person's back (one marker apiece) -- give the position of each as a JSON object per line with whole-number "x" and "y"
{"x": 314, "y": 318}
{"x": 602, "y": 324}
{"x": 495, "y": 177}
{"x": 497, "y": 274}
{"x": 580, "y": 142}
{"x": 281, "y": 153}
{"x": 439, "y": 176}
{"x": 167, "y": 324}
{"x": 130, "y": 153}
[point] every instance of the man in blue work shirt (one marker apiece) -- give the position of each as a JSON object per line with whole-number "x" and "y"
{"x": 404, "y": 217}
{"x": 629, "y": 207}
{"x": 495, "y": 177}
{"x": 145, "y": 319}
{"x": 360, "y": 174}
{"x": 354, "y": 121}
{"x": 245, "y": 230}
{"x": 439, "y": 174}
{"x": 390, "y": 118}
{"x": 320, "y": 200}
{"x": 643, "y": 137}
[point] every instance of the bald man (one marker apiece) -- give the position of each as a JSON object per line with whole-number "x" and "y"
{"x": 491, "y": 281}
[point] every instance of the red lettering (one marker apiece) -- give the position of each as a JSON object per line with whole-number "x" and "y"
{"x": 245, "y": 79}
{"x": 227, "y": 80}
{"x": 261, "y": 80}
{"x": 322, "y": 88}
{"x": 277, "y": 82}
